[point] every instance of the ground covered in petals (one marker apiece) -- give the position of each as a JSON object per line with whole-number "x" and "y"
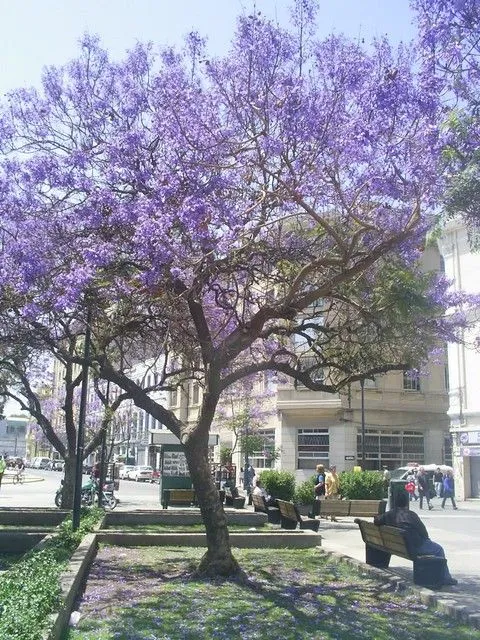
{"x": 150, "y": 594}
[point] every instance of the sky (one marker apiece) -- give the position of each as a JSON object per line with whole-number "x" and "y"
{"x": 38, "y": 33}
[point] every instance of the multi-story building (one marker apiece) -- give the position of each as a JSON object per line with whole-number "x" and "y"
{"x": 462, "y": 266}
{"x": 13, "y": 432}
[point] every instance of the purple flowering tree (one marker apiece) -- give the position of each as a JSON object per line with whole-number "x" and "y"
{"x": 26, "y": 375}
{"x": 450, "y": 47}
{"x": 216, "y": 211}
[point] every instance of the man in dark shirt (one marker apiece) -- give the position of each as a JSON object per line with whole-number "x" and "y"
{"x": 417, "y": 534}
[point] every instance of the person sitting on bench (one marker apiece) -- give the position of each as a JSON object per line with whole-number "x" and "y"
{"x": 403, "y": 518}
{"x": 260, "y": 490}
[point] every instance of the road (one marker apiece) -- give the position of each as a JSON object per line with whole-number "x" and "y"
{"x": 40, "y": 487}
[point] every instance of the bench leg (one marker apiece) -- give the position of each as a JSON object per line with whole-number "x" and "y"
{"x": 286, "y": 523}
{"x": 377, "y": 558}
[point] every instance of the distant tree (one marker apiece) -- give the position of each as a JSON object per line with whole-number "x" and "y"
{"x": 216, "y": 211}
{"x": 26, "y": 376}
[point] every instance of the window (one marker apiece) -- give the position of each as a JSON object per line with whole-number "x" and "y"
{"x": 392, "y": 448}
{"x": 174, "y": 397}
{"x": 411, "y": 381}
{"x": 195, "y": 393}
{"x": 313, "y": 447}
{"x": 263, "y": 459}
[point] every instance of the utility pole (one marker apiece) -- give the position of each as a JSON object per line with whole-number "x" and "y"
{"x": 77, "y": 495}
{"x": 362, "y": 399}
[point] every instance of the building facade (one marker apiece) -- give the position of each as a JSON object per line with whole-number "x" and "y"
{"x": 462, "y": 266}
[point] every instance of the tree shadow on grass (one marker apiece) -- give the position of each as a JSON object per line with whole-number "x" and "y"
{"x": 328, "y": 600}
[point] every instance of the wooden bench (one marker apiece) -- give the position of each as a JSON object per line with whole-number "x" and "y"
{"x": 351, "y": 508}
{"x": 290, "y": 518}
{"x": 259, "y": 504}
{"x": 383, "y": 541}
{"x": 232, "y": 499}
{"x": 366, "y": 508}
{"x": 177, "y": 497}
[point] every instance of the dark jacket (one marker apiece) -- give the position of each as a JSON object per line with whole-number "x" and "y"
{"x": 408, "y": 520}
{"x": 422, "y": 483}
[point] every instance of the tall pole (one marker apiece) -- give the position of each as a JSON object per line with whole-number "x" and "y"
{"x": 103, "y": 450}
{"x": 81, "y": 426}
{"x": 362, "y": 398}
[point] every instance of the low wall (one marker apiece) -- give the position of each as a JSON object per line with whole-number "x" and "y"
{"x": 250, "y": 539}
{"x": 179, "y": 517}
{"x": 20, "y": 541}
{"x": 32, "y": 517}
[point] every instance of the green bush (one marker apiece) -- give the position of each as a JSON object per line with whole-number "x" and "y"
{"x": 361, "y": 485}
{"x": 279, "y": 484}
{"x": 304, "y": 492}
{"x": 30, "y": 591}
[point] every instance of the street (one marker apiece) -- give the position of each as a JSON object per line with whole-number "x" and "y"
{"x": 40, "y": 487}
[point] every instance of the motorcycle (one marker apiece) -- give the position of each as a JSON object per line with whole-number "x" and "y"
{"x": 89, "y": 495}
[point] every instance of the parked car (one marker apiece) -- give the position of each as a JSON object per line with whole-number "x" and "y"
{"x": 141, "y": 473}
{"x": 155, "y": 476}
{"x": 125, "y": 470}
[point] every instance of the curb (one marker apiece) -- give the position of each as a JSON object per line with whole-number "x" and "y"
{"x": 447, "y": 606}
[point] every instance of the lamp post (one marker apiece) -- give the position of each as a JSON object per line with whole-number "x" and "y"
{"x": 362, "y": 401}
{"x": 81, "y": 426}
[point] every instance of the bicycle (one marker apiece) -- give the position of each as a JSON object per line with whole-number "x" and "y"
{"x": 18, "y": 478}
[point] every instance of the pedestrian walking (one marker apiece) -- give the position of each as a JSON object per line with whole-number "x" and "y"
{"x": 449, "y": 489}
{"x": 411, "y": 486}
{"x": 423, "y": 488}
{"x": 248, "y": 477}
{"x": 332, "y": 486}
{"x": 438, "y": 482}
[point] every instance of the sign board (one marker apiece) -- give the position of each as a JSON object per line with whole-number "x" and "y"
{"x": 163, "y": 436}
{"x": 470, "y": 452}
{"x": 470, "y": 437}
{"x": 175, "y": 464}
{"x": 349, "y": 457}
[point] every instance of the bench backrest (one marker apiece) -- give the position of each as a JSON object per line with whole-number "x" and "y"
{"x": 392, "y": 539}
{"x": 366, "y": 508}
{"x": 287, "y": 509}
{"x": 259, "y": 503}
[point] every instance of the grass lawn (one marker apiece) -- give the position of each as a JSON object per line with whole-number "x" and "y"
{"x": 148, "y": 593}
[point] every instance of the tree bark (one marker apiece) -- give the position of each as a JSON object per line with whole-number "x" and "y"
{"x": 69, "y": 481}
{"x": 218, "y": 559}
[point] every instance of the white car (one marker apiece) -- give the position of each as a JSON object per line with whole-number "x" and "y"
{"x": 141, "y": 473}
{"x": 125, "y": 470}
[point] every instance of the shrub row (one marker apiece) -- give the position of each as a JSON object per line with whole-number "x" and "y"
{"x": 30, "y": 590}
{"x": 354, "y": 485}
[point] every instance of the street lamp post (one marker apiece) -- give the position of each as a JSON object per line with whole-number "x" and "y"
{"x": 362, "y": 400}
{"x": 81, "y": 426}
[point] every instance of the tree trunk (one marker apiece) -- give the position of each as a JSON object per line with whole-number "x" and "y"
{"x": 218, "y": 560}
{"x": 69, "y": 482}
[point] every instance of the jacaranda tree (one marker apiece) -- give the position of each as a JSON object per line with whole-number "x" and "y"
{"x": 450, "y": 47}
{"x": 217, "y": 211}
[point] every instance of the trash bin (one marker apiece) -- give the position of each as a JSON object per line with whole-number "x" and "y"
{"x": 394, "y": 489}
